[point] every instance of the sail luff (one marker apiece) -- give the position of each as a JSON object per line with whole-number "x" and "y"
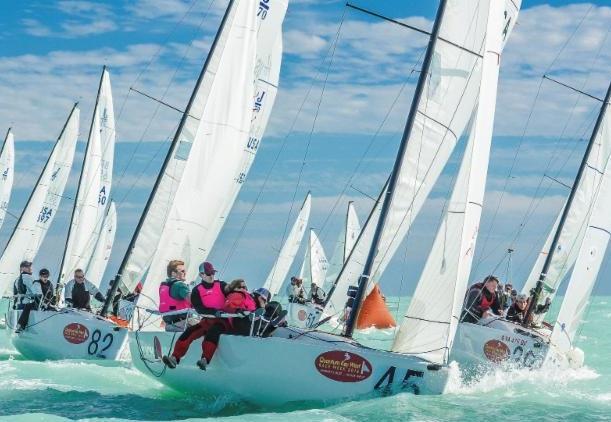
{"x": 7, "y": 171}
{"x": 373, "y": 249}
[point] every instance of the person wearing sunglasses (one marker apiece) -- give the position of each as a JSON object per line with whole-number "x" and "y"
{"x": 174, "y": 295}
{"x": 518, "y": 310}
{"x": 79, "y": 290}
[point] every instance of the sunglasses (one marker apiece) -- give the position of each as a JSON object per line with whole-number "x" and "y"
{"x": 181, "y": 271}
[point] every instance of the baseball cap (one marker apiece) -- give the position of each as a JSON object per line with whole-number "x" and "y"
{"x": 207, "y": 268}
{"x": 44, "y": 271}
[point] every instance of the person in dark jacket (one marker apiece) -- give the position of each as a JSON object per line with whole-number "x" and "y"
{"x": 30, "y": 294}
{"x": 482, "y": 301}
{"x": 79, "y": 290}
{"x": 47, "y": 289}
{"x": 517, "y": 311}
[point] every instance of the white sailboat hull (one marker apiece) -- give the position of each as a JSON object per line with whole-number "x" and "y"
{"x": 503, "y": 344}
{"x": 289, "y": 367}
{"x": 303, "y": 316}
{"x": 68, "y": 334}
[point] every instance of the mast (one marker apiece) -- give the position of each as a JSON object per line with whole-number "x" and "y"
{"x": 364, "y": 278}
{"x": 175, "y": 140}
{"x": 41, "y": 173}
{"x": 80, "y": 180}
{"x": 565, "y": 212}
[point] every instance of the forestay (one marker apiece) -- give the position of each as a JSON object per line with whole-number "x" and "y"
{"x": 448, "y": 100}
{"x": 103, "y": 248}
{"x": 345, "y": 242}
{"x": 7, "y": 170}
{"x": 589, "y": 258}
{"x": 431, "y": 320}
{"x": 574, "y": 228}
{"x": 289, "y": 249}
{"x": 42, "y": 205}
{"x": 94, "y": 187}
{"x": 315, "y": 264}
{"x": 217, "y": 143}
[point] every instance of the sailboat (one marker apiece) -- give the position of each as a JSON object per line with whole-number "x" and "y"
{"x": 578, "y": 240}
{"x": 7, "y": 170}
{"x": 328, "y": 367}
{"x": 313, "y": 271}
{"x": 70, "y": 333}
{"x": 40, "y": 210}
{"x": 278, "y": 274}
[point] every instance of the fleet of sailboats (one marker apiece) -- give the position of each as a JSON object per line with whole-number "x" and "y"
{"x": 207, "y": 163}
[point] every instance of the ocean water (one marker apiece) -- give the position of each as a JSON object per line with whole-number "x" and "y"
{"x": 59, "y": 391}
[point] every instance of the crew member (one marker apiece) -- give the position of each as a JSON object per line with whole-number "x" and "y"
{"x": 295, "y": 291}
{"x": 30, "y": 293}
{"x": 79, "y": 290}
{"x": 174, "y": 295}
{"x": 208, "y": 299}
{"x": 317, "y": 295}
{"x": 47, "y": 289}
{"x": 482, "y": 301}
{"x": 517, "y": 312}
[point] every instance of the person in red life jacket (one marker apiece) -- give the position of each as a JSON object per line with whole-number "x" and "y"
{"x": 482, "y": 301}
{"x": 237, "y": 301}
{"x": 174, "y": 295}
{"x": 207, "y": 298}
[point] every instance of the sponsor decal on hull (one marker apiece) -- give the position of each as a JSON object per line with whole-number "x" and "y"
{"x": 76, "y": 333}
{"x": 342, "y": 366}
{"x": 302, "y": 315}
{"x": 496, "y": 351}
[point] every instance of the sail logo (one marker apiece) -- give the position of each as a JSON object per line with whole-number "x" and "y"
{"x": 5, "y": 174}
{"x": 496, "y": 351}
{"x": 258, "y": 101}
{"x": 263, "y": 9}
{"x": 76, "y": 333}
{"x": 45, "y": 214}
{"x": 342, "y": 366}
{"x": 102, "y": 196}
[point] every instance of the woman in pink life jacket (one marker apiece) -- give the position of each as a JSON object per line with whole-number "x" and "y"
{"x": 207, "y": 298}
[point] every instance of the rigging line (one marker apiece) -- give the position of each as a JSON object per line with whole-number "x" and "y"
{"x": 413, "y": 28}
{"x": 363, "y": 193}
{"x": 572, "y": 88}
{"x": 160, "y": 102}
{"x": 522, "y": 137}
{"x": 167, "y": 88}
{"x": 240, "y": 234}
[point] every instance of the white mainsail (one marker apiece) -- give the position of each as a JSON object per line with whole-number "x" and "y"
{"x": 447, "y": 102}
{"x": 217, "y": 142}
{"x": 289, "y": 249}
{"x": 103, "y": 248}
{"x": 575, "y": 226}
{"x": 429, "y": 324}
{"x": 343, "y": 246}
{"x": 315, "y": 263}
{"x": 94, "y": 187}
{"x": 42, "y": 205}
{"x": 7, "y": 171}
{"x": 590, "y": 256}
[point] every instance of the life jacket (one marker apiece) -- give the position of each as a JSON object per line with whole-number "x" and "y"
{"x": 166, "y": 302}
{"x": 239, "y": 301}
{"x": 213, "y": 297}
{"x": 485, "y": 302}
{"x": 80, "y": 296}
{"x": 46, "y": 289}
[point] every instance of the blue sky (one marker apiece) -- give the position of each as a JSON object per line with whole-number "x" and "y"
{"x": 52, "y": 54}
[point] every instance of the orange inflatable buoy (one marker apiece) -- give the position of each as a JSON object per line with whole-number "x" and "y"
{"x": 374, "y": 312}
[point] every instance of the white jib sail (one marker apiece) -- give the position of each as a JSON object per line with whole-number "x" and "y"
{"x": 444, "y": 110}
{"x": 575, "y": 226}
{"x": 431, "y": 320}
{"x": 218, "y": 142}
{"x": 315, "y": 263}
{"x": 94, "y": 187}
{"x": 103, "y": 248}
{"x": 345, "y": 242}
{"x": 42, "y": 205}
{"x": 7, "y": 171}
{"x": 589, "y": 259}
{"x": 289, "y": 249}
